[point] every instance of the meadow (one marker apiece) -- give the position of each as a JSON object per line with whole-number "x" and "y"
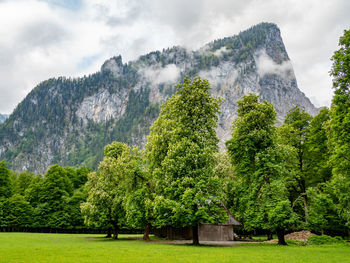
{"x": 36, "y": 248}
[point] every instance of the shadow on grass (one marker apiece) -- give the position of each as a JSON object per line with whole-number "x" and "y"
{"x": 108, "y": 239}
{"x": 182, "y": 243}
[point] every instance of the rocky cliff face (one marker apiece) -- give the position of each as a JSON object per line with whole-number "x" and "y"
{"x": 68, "y": 121}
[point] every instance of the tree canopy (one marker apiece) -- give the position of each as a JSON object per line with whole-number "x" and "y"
{"x": 180, "y": 150}
{"x": 261, "y": 194}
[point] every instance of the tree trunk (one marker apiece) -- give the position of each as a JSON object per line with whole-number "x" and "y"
{"x": 115, "y": 232}
{"x": 306, "y": 208}
{"x": 146, "y": 232}
{"x": 269, "y": 235}
{"x": 280, "y": 235}
{"x": 109, "y": 233}
{"x": 195, "y": 235}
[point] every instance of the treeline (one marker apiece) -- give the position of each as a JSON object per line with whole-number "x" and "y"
{"x": 48, "y": 203}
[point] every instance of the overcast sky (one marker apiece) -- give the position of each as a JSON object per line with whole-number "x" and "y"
{"x": 40, "y": 39}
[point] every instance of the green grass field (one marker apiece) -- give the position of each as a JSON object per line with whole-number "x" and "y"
{"x": 36, "y": 248}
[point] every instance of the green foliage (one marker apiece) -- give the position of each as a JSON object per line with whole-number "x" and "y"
{"x": 17, "y": 212}
{"x": 223, "y": 169}
{"x": 341, "y": 68}
{"x": 137, "y": 208}
{"x": 323, "y": 211}
{"x": 324, "y": 239}
{"x": 252, "y": 132}
{"x": 115, "y": 150}
{"x": 180, "y": 151}
{"x": 52, "y": 201}
{"x": 22, "y": 181}
{"x": 340, "y": 110}
{"x": 282, "y": 215}
{"x": 138, "y": 189}
{"x": 108, "y": 203}
{"x": 33, "y": 192}
{"x": 259, "y": 195}
{"x": 317, "y": 152}
{"x": 297, "y": 124}
{"x": 78, "y": 176}
{"x": 5, "y": 184}
{"x": 294, "y": 133}
{"x": 56, "y": 184}
{"x": 340, "y": 129}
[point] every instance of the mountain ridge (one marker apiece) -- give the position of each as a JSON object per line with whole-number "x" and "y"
{"x": 68, "y": 121}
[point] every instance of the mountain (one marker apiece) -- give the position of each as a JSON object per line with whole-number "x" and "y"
{"x": 69, "y": 121}
{"x": 3, "y": 118}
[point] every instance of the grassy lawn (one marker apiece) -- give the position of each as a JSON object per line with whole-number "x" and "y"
{"x": 29, "y": 247}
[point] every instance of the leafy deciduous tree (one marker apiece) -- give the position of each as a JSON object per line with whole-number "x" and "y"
{"x": 340, "y": 127}
{"x": 317, "y": 153}
{"x": 261, "y": 199}
{"x": 104, "y": 204}
{"x": 180, "y": 151}
{"x": 5, "y": 184}
{"x": 294, "y": 133}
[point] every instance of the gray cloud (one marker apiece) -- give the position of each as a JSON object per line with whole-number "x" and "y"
{"x": 42, "y": 34}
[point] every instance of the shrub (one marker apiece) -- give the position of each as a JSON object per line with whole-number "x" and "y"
{"x": 324, "y": 239}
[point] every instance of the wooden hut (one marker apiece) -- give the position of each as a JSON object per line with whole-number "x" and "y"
{"x": 206, "y": 232}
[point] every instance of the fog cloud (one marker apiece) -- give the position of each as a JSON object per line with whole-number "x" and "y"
{"x": 157, "y": 75}
{"x": 266, "y": 65}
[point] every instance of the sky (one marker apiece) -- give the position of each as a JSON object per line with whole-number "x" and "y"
{"x": 41, "y": 39}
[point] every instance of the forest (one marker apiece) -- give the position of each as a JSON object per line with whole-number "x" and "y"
{"x": 272, "y": 179}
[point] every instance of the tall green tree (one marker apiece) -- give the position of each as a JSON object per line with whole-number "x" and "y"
{"x": 55, "y": 189}
{"x": 340, "y": 127}
{"x": 22, "y": 181}
{"x": 56, "y": 184}
{"x": 317, "y": 151}
{"x": 330, "y": 202}
{"x": 180, "y": 151}
{"x": 294, "y": 132}
{"x": 20, "y": 212}
{"x": 33, "y": 192}
{"x": 5, "y": 183}
{"x": 323, "y": 214}
{"x": 259, "y": 163}
{"x": 139, "y": 192}
{"x": 104, "y": 204}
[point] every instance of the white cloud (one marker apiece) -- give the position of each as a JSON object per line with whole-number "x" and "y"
{"x": 220, "y": 52}
{"x": 158, "y": 75}
{"x": 266, "y": 65}
{"x": 224, "y": 74}
{"x": 43, "y": 39}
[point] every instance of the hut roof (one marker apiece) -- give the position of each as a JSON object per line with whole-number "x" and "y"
{"x": 231, "y": 220}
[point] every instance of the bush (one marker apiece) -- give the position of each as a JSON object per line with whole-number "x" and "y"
{"x": 324, "y": 239}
